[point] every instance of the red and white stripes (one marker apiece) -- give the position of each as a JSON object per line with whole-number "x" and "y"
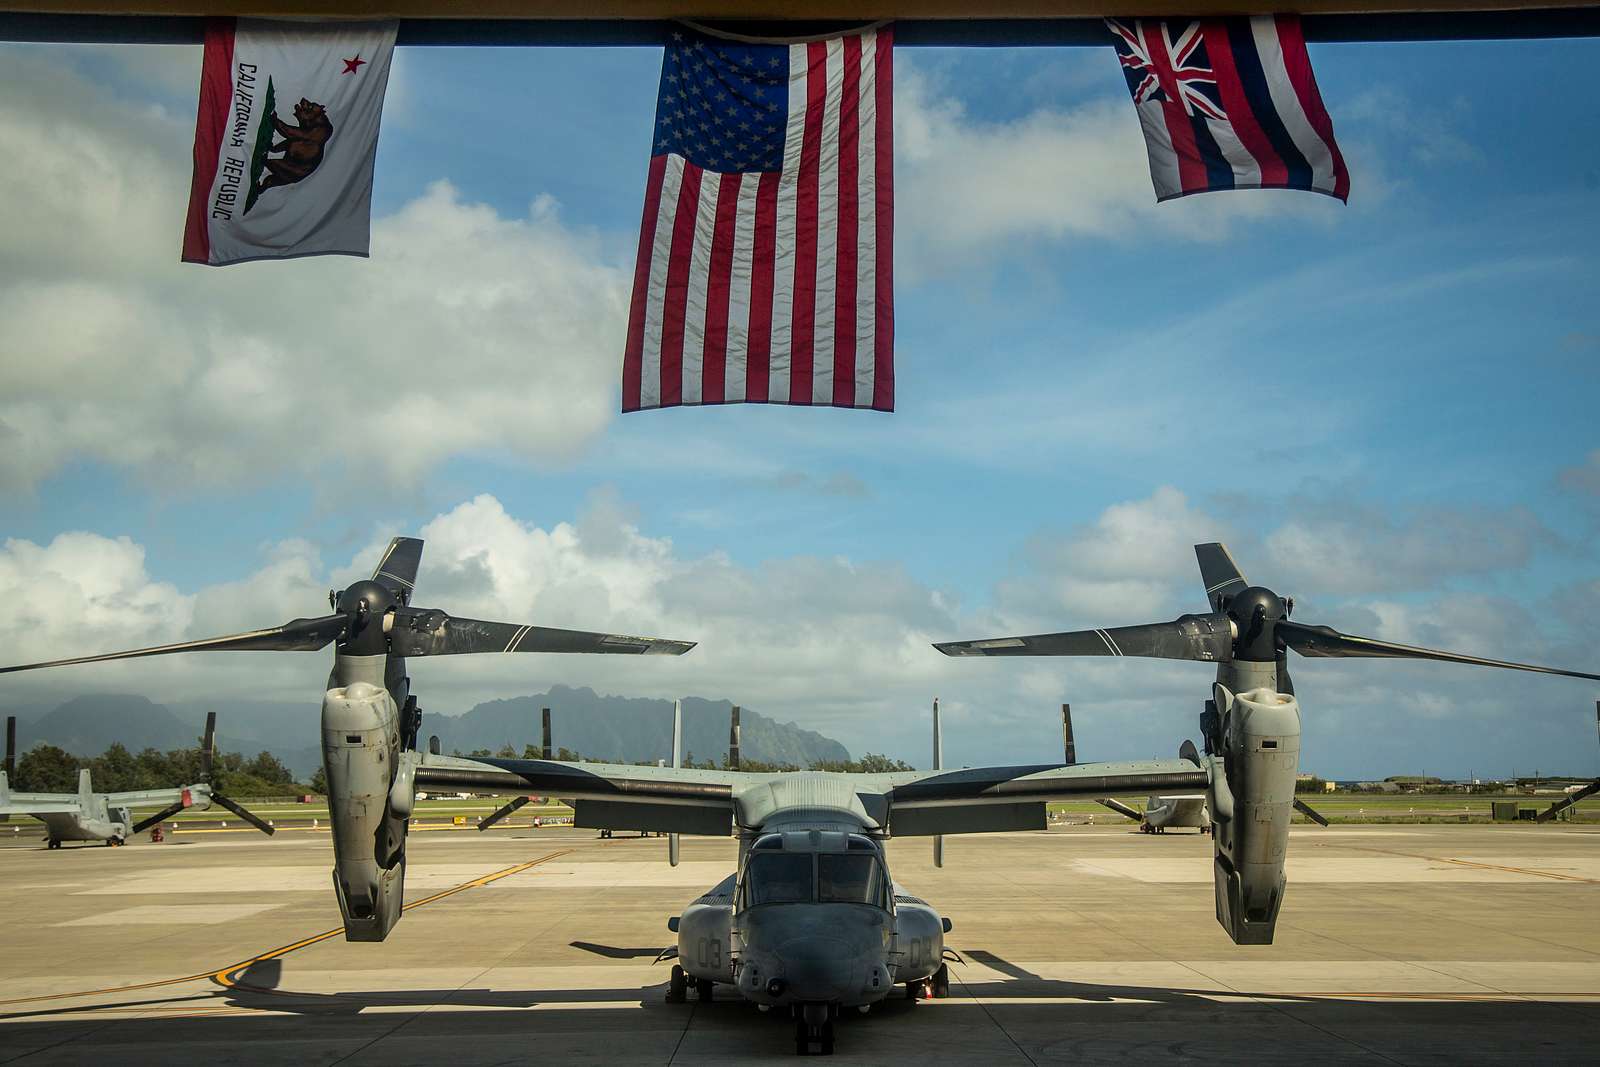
{"x": 777, "y": 287}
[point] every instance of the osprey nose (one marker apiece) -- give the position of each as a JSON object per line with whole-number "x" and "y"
{"x": 817, "y": 968}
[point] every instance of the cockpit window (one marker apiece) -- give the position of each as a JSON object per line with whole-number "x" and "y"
{"x": 850, "y": 878}
{"x": 778, "y": 878}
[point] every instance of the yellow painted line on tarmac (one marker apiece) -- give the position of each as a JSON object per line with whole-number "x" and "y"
{"x": 226, "y": 976}
{"x": 1472, "y": 863}
{"x": 325, "y": 829}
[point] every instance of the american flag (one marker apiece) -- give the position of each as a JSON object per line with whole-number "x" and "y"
{"x": 1229, "y": 104}
{"x": 765, "y": 270}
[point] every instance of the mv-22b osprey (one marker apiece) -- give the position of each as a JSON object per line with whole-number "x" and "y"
{"x": 108, "y": 817}
{"x": 810, "y": 921}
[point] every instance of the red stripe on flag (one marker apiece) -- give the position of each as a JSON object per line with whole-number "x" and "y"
{"x": 211, "y": 121}
{"x": 714, "y": 365}
{"x": 1298, "y": 64}
{"x": 844, "y": 314}
{"x": 1219, "y": 49}
{"x": 677, "y": 294}
{"x": 633, "y": 354}
{"x": 883, "y": 180}
{"x": 802, "y": 336}
{"x": 1191, "y": 168}
{"x": 764, "y": 250}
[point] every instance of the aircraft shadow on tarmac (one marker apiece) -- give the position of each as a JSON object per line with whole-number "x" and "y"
{"x": 613, "y": 952}
{"x": 1085, "y": 1021}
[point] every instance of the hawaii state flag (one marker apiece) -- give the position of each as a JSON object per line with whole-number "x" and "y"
{"x": 1229, "y": 104}
{"x": 285, "y": 139}
{"x": 766, "y": 255}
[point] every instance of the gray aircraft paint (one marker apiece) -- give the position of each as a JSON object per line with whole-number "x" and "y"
{"x": 828, "y": 954}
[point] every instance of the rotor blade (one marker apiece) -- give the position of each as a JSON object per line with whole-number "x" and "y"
{"x": 421, "y": 632}
{"x": 397, "y": 570}
{"x": 1285, "y": 683}
{"x": 1191, "y": 637}
{"x": 1326, "y": 641}
{"x": 1122, "y": 809}
{"x": 1305, "y": 809}
{"x": 144, "y": 824}
{"x": 297, "y": 635}
{"x": 1567, "y": 801}
{"x": 501, "y": 812}
{"x": 237, "y": 809}
{"x": 1219, "y": 572}
{"x": 208, "y": 746}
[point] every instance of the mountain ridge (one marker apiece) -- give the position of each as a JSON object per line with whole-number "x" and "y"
{"x": 630, "y": 729}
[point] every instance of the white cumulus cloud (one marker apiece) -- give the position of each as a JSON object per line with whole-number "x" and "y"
{"x": 466, "y": 332}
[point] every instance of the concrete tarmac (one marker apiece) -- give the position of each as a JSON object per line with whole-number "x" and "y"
{"x": 1397, "y": 945}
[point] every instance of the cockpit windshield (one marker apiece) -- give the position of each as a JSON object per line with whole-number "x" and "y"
{"x": 850, "y": 878}
{"x": 777, "y": 878}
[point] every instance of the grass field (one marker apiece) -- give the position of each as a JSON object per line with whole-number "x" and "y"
{"x": 280, "y": 810}
{"x": 1336, "y": 807}
{"x": 1384, "y": 807}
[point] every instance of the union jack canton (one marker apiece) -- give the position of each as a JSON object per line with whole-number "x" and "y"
{"x": 1229, "y": 104}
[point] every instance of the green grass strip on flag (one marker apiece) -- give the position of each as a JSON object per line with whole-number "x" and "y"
{"x": 258, "y": 158}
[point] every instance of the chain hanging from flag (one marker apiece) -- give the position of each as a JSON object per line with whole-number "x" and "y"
{"x": 765, "y": 267}
{"x": 1229, "y": 104}
{"x": 285, "y": 139}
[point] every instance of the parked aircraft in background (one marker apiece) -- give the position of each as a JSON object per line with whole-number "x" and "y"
{"x": 108, "y": 817}
{"x": 809, "y": 922}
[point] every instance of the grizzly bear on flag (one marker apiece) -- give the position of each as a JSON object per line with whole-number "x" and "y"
{"x": 302, "y": 146}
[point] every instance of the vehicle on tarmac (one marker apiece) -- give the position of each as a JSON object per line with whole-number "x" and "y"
{"x": 810, "y": 921}
{"x": 108, "y": 817}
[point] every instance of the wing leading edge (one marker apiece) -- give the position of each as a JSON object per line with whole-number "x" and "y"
{"x": 687, "y": 800}
{"x": 993, "y": 799}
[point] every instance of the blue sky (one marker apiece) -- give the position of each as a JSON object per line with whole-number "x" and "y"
{"x": 1385, "y": 407}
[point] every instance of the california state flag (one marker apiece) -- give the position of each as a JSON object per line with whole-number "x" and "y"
{"x": 285, "y": 139}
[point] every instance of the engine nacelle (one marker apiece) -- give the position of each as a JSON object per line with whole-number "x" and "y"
{"x": 1252, "y": 797}
{"x": 919, "y": 935}
{"x": 704, "y": 934}
{"x": 361, "y": 757}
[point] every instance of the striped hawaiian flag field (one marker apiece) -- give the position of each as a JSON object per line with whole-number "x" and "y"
{"x": 1229, "y": 104}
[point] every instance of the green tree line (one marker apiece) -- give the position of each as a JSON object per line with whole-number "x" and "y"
{"x": 48, "y": 769}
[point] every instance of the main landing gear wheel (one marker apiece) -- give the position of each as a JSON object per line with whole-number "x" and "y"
{"x": 52, "y": 843}
{"x": 677, "y": 986}
{"x": 941, "y": 981}
{"x": 703, "y": 988}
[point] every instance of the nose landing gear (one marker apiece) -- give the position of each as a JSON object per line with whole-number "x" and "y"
{"x": 813, "y": 1025}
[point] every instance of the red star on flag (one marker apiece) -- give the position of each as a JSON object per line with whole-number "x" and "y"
{"x": 350, "y": 65}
